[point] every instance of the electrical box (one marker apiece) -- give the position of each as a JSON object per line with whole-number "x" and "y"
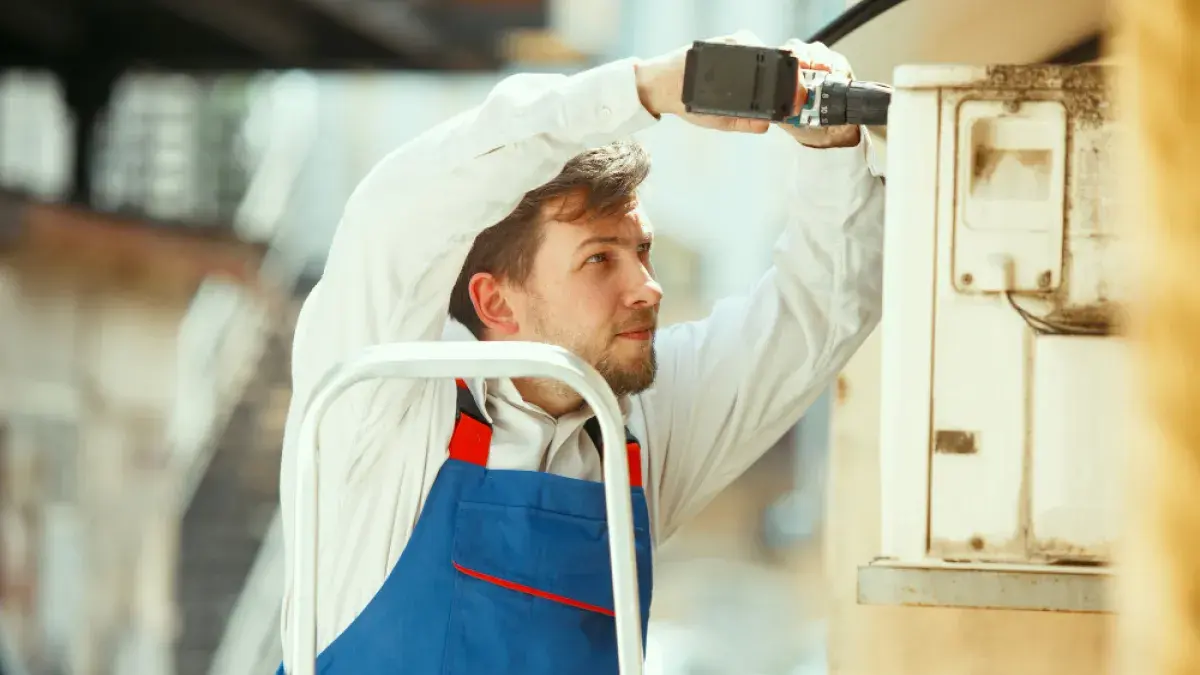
{"x": 1004, "y": 379}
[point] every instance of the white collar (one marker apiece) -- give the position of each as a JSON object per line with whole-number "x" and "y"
{"x": 503, "y": 388}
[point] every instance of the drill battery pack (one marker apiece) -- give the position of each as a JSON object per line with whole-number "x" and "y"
{"x": 740, "y": 81}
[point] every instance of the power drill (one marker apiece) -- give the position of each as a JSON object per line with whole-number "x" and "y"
{"x": 763, "y": 83}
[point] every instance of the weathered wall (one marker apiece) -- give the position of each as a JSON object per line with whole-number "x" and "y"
{"x": 867, "y": 640}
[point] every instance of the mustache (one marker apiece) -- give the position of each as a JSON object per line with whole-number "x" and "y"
{"x": 646, "y": 319}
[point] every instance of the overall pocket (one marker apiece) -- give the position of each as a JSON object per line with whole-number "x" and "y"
{"x": 533, "y": 593}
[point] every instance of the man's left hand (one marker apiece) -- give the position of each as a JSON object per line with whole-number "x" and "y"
{"x": 816, "y": 56}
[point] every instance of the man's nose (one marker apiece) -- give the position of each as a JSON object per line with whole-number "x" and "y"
{"x": 645, "y": 291}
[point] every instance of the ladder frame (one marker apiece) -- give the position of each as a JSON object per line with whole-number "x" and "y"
{"x": 446, "y": 360}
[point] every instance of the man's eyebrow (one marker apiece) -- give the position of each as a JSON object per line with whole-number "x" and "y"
{"x": 620, "y": 241}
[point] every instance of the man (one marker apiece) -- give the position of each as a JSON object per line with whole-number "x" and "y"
{"x": 462, "y": 523}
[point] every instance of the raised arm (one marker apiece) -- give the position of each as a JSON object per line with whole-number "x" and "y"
{"x": 409, "y": 225}
{"x": 731, "y": 385}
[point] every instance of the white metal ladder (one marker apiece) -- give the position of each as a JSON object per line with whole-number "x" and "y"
{"x": 436, "y": 360}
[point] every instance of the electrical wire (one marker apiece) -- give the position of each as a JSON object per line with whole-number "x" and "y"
{"x": 1044, "y": 326}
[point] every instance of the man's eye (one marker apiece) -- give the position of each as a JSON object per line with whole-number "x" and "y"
{"x": 644, "y": 248}
{"x": 598, "y": 258}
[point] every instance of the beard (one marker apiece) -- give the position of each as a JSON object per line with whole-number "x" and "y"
{"x": 630, "y": 378}
{"x": 625, "y": 377}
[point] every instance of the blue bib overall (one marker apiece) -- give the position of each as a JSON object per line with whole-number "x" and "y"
{"x": 506, "y": 573}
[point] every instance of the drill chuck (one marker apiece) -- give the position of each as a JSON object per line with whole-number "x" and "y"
{"x": 833, "y": 103}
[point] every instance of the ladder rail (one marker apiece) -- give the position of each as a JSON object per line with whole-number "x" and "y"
{"x": 437, "y": 360}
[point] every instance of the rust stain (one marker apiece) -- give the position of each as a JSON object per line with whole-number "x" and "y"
{"x": 1083, "y": 89}
{"x": 977, "y": 549}
{"x": 953, "y": 442}
{"x": 1045, "y": 551}
{"x": 987, "y": 160}
{"x": 1056, "y": 551}
{"x": 842, "y": 389}
{"x": 1104, "y": 315}
{"x": 1047, "y": 76}
{"x": 1084, "y": 92}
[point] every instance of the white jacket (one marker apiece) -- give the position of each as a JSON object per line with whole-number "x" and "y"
{"x": 728, "y": 386}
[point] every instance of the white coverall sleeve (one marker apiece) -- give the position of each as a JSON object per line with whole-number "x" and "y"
{"x": 729, "y": 386}
{"x": 408, "y": 226}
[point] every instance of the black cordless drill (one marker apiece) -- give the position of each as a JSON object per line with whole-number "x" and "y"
{"x": 764, "y": 83}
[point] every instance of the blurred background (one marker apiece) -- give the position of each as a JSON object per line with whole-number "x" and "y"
{"x": 171, "y": 172}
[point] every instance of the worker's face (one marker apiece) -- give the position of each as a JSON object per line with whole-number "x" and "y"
{"x": 593, "y": 292}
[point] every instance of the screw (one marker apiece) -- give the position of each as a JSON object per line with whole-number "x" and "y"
{"x": 967, "y": 279}
{"x": 1044, "y": 279}
{"x": 1012, "y": 106}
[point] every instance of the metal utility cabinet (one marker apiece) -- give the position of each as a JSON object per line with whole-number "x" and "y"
{"x": 1004, "y": 382}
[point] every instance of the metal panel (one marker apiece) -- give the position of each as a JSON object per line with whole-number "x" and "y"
{"x": 1033, "y": 269}
{"x": 1080, "y": 396}
{"x": 1009, "y": 196}
{"x": 907, "y": 348}
{"x": 985, "y": 587}
{"x": 980, "y": 355}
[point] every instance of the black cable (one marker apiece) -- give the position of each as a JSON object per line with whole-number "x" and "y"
{"x": 1044, "y": 326}
{"x": 857, "y": 16}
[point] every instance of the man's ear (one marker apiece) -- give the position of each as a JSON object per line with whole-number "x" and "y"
{"x": 491, "y": 304}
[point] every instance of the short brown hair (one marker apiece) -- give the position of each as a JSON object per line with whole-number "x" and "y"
{"x": 608, "y": 177}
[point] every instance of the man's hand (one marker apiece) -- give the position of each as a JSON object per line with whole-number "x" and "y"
{"x": 816, "y": 56}
{"x": 660, "y": 87}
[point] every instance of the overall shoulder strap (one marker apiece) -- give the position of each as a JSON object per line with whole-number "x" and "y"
{"x": 472, "y": 437}
{"x": 633, "y": 449}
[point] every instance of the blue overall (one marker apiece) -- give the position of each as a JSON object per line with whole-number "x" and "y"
{"x": 506, "y": 573}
